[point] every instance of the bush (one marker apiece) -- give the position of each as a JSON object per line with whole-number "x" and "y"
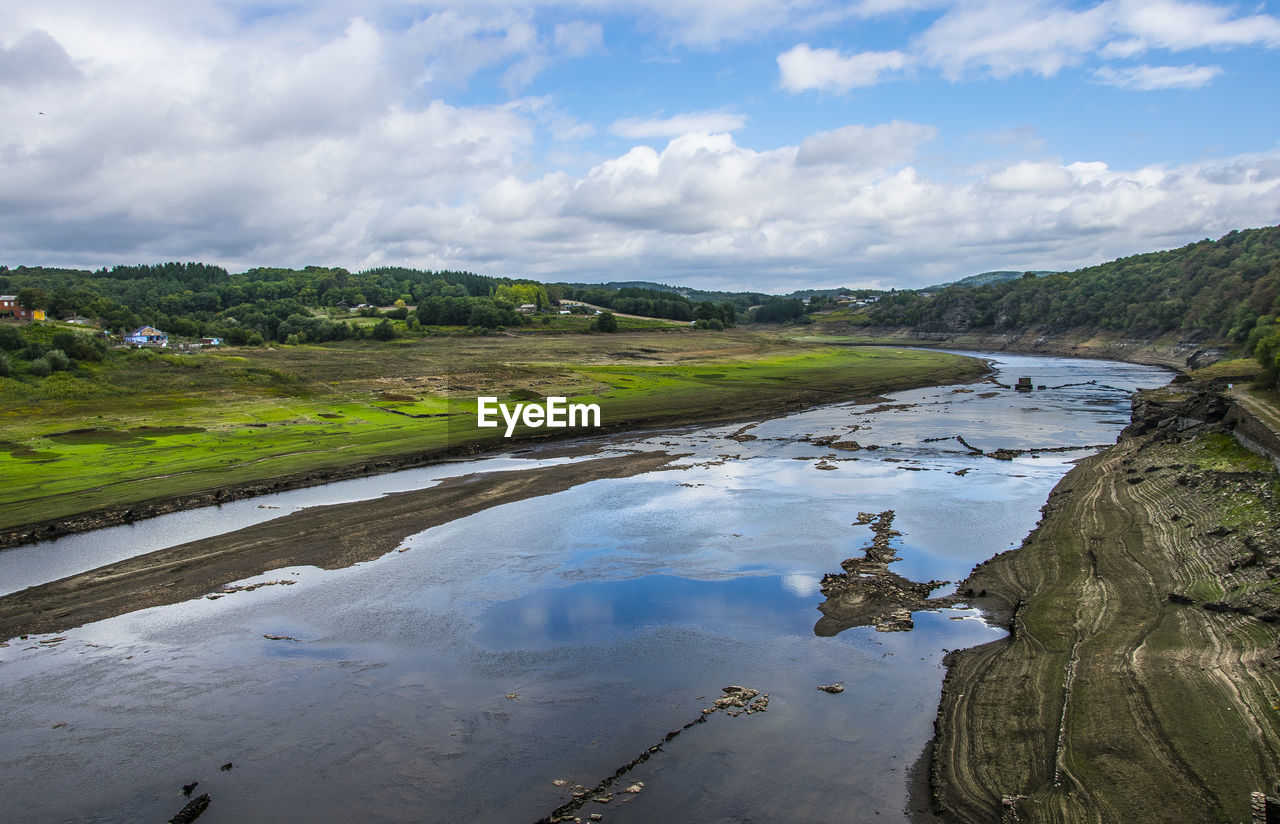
{"x": 384, "y": 331}
{"x": 11, "y": 339}
{"x": 605, "y": 322}
{"x": 40, "y": 367}
{"x": 6, "y": 365}
{"x": 57, "y": 359}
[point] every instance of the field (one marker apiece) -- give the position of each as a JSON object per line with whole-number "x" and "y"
{"x": 152, "y": 426}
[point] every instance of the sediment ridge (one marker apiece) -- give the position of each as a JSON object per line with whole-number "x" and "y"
{"x": 1140, "y": 681}
{"x": 330, "y": 537}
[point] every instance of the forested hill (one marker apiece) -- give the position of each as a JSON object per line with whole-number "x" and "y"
{"x": 193, "y": 299}
{"x": 1228, "y": 289}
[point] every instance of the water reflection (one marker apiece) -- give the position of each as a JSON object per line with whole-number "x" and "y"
{"x": 611, "y": 611}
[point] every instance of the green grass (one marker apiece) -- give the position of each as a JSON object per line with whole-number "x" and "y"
{"x": 231, "y": 416}
{"x": 1223, "y": 453}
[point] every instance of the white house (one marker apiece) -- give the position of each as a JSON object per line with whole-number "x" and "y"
{"x": 147, "y": 336}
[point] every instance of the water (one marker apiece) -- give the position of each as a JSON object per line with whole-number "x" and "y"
{"x": 612, "y": 612}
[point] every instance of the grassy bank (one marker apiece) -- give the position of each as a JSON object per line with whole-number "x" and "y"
{"x": 156, "y": 426}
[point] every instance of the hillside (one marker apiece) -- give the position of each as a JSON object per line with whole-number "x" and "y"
{"x": 987, "y": 278}
{"x": 1214, "y": 288}
{"x": 1224, "y": 291}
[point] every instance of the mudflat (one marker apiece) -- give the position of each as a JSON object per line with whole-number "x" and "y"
{"x": 1140, "y": 680}
{"x": 330, "y": 537}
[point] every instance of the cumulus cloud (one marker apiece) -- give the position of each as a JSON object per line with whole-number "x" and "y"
{"x": 269, "y": 142}
{"x": 804, "y": 68}
{"x": 1150, "y": 78}
{"x": 680, "y": 124}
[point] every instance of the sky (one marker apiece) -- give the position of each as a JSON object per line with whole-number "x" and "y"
{"x": 722, "y": 144}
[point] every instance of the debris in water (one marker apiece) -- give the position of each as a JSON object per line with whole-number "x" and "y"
{"x": 833, "y": 688}
{"x": 192, "y": 811}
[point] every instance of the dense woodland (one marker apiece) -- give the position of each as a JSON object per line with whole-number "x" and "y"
{"x": 1226, "y": 290}
{"x": 195, "y": 299}
{"x": 653, "y": 303}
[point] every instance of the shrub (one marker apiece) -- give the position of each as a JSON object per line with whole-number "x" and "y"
{"x": 11, "y": 339}
{"x": 79, "y": 347}
{"x": 605, "y": 322}
{"x": 40, "y": 367}
{"x": 57, "y": 359}
{"x": 6, "y": 365}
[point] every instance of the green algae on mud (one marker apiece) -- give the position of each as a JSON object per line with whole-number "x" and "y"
{"x": 1137, "y": 682}
{"x": 221, "y": 425}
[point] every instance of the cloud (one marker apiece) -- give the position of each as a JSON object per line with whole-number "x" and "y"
{"x": 692, "y": 122}
{"x": 804, "y": 68}
{"x": 1004, "y": 39}
{"x": 1169, "y": 24}
{"x": 857, "y": 145}
{"x": 1150, "y": 78}
{"x": 309, "y": 136}
{"x": 578, "y": 38}
{"x": 36, "y": 60}
{"x": 998, "y": 39}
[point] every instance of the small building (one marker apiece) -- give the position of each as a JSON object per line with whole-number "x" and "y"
{"x": 528, "y": 308}
{"x": 79, "y": 320}
{"x": 211, "y": 341}
{"x": 10, "y": 308}
{"x": 147, "y": 336}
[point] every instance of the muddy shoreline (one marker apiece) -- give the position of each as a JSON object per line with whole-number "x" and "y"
{"x": 1138, "y": 680}
{"x": 1073, "y": 343}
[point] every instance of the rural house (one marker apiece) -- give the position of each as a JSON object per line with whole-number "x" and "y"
{"x": 10, "y": 308}
{"x": 147, "y": 336}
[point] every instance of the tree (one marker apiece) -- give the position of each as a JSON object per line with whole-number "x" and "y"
{"x": 384, "y": 331}
{"x": 32, "y": 297}
{"x": 605, "y": 322}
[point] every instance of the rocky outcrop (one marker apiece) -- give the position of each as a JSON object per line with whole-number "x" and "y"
{"x": 867, "y": 594}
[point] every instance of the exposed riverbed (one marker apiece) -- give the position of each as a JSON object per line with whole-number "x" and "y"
{"x": 559, "y": 637}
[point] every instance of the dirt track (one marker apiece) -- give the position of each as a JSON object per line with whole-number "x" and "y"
{"x": 329, "y": 536}
{"x": 1110, "y": 701}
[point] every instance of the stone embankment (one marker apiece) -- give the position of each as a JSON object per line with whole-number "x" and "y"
{"x": 1140, "y": 681}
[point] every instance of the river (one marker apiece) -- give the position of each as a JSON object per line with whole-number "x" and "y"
{"x": 559, "y": 637}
